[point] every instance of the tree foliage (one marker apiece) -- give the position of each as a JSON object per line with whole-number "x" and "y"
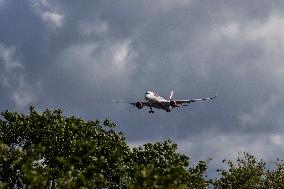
{"x": 250, "y": 173}
{"x": 50, "y": 150}
{"x": 275, "y": 177}
{"x": 159, "y": 166}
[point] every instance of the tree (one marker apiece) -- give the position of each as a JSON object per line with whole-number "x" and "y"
{"x": 275, "y": 177}
{"x": 50, "y": 150}
{"x": 249, "y": 172}
{"x": 158, "y": 165}
{"x": 53, "y": 150}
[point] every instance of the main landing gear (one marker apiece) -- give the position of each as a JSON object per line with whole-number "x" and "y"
{"x": 151, "y": 110}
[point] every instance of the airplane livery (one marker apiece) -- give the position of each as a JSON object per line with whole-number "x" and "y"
{"x": 153, "y": 100}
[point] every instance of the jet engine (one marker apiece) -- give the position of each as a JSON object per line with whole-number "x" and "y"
{"x": 173, "y": 104}
{"x": 139, "y": 105}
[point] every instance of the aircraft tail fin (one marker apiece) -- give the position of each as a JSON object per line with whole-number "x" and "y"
{"x": 171, "y": 95}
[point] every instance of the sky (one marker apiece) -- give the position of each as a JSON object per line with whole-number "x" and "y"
{"x": 80, "y": 55}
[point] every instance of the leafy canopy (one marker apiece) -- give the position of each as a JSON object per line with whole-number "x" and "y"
{"x": 50, "y": 150}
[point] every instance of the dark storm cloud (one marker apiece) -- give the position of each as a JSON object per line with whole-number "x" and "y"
{"x": 79, "y": 55}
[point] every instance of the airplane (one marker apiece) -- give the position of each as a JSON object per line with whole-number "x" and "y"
{"x": 153, "y": 100}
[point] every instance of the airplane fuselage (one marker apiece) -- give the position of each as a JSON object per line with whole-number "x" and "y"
{"x": 156, "y": 101}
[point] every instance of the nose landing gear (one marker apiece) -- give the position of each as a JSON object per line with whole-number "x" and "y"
{"x": 151, "y": 110}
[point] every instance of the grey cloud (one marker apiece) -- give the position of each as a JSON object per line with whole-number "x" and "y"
{"x": 13, "y": 79}
{"x": 100, "y": 63}
{"x": 268, "y": 147}
{"x": 8, "y": 60}
{"x": 26, "y": 94}
{"x": 48, "y": 12}
{"x": 2, "y": 3}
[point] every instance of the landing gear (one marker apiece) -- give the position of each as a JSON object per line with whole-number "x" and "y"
{"x": 168, "y": 110}
{"x": 151, "y": 110}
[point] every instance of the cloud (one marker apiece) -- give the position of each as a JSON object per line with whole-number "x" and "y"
{"x": 48, "y": 12}
{"x": 267, "y": 33}
{"x": 258, "y": 113}
{"x": 7, "y": 54}
{"x": 53, "y": 18}
{"x": 13, "y": 79}
{"x": 277, "y": 140}
{"x": 104, "y": 63}
{"x": 219, "y": 146}
{"x": 26, "y": 94}
{"x": 9, "y": 64}
{"x": 228, "y": 146}
{"x": 2, "y": 3}
{"x": 97, "y": 28}
{"x": 167, "y": 5}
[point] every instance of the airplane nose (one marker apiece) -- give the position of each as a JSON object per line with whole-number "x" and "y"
{"x": 147, "y": 96}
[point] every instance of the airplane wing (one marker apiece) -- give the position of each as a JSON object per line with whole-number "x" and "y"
{"x": 144, "y": 103}
{"x": 136, "y": 104}
{"x": 181, "y": 102}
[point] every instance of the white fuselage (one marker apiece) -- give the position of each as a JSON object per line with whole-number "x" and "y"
{"x": 155, "y": 100}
